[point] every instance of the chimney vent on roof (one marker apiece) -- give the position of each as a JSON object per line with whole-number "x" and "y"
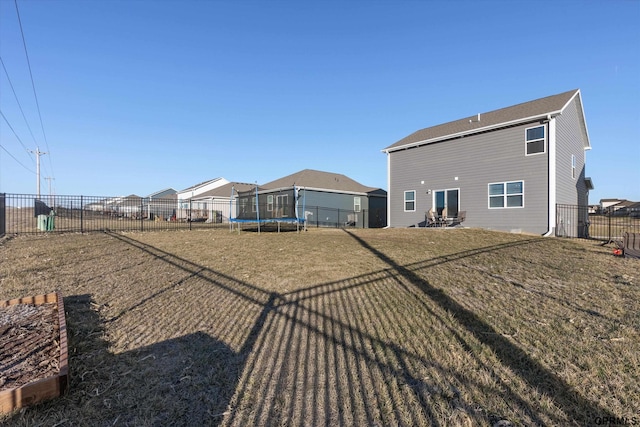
{"x": 476, "y": 120}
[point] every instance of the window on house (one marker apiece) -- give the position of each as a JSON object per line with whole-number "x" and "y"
{"x": 356, "y": 204}
{"x": 506, "y": 195}
{"x": 270, "y": 202}
{"x": 573, "y": 166}
{"x": 535, "y": 140}
{"x": 410, "y": 201}
{"x": 253, "y": 204}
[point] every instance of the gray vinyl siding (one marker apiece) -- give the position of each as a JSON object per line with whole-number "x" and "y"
{"x": 333, "y": 209}
{"x": 569, "y": 190}
{"x": 477, "y": 160}
{"x": 332, "y": 200}
{"x": 570, "y": 141}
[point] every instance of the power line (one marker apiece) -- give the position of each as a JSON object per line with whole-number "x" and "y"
{"x": 19, "y": 162}
{"x": 33, "y": 85}
{"x": 14, "y": 132}
{"x": 18, "y": 101}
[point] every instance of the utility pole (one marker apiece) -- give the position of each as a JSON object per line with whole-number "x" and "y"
{"x": 52, "y": 202}
{"x": 38, "y": 153}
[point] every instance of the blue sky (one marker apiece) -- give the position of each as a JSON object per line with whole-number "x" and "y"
{"x": 138, "y": 96}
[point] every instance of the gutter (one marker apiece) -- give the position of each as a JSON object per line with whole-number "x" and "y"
{"x": 324, "y": 190}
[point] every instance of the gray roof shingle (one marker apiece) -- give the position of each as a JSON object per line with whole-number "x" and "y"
{"x": 320, "y": 180}
{"x": 225, "y": 190}
{"x": 510, "y": 115}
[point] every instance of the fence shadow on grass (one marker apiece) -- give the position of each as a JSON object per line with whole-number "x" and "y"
{"x": 346, "y": 352}
{"x": 532, "y": 372}
{"x": 305, "y": 347}
{"x": 305, "y": 360}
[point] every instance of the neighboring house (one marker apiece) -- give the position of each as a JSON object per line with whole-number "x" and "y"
{"x": 610, "y": 205}
{"x": 507, "y": 169}
{"x": 130, "y": 206}
{"x": 322, "y": 198}
{"x": 623, "y": 208}
{"x": 186, "y": 197}
{"x": 99, "y": 206}
{"x": 634, "y": 210}
{"x": 161, "y": 204}
{"x": 219, "y": 204}
{"x": 111, "y": 205}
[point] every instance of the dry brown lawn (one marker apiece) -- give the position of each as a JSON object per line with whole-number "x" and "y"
{"x": 335, "y": 327}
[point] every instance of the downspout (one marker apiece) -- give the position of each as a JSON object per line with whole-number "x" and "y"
{"x": 551, "y": 215}
{"x": 388, "y": 190}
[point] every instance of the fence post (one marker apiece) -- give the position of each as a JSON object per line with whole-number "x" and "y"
{"x": 81, "y": 215}
{"x": 317, "y": 217}
{"x": 609, "y": 227}
{"x": 141, "y": 214}
{"x": 189, "y": 217}
{"x": 3, "y": 214}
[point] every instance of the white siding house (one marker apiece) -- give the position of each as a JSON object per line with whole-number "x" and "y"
{"x": 187, "y": 198}
{"x": 219, "y": 204}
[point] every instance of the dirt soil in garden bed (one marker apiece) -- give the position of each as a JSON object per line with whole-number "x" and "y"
{"x": 29, "y": 344}
{"x": 335, "y": 327}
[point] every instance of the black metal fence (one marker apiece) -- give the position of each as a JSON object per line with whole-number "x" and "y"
{"x": 26, "y": 213}
{"x": 583, "y": 222}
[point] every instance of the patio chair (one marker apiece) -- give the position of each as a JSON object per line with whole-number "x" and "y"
{"x": 432, "y": 221}
{"x": 443, "y": 218}
{"x": 462, "y": 215}
{"x": 352, "y": 219}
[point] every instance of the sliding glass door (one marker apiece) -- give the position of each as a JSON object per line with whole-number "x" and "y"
{"x": 449, "y": 199}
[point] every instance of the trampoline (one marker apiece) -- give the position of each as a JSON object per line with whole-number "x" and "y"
{"x": 272, "y": 206}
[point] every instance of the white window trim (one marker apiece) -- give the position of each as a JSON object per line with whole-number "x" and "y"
{"x": 357, "y": 207}
{"x": 526, "y": 142}
{"x": 504, "y": 196}
{"x": 433, "y": 198}
{"x": 573, "y": 166}
{"x": 269, "y": 202}
{"x": 404, "y": 201}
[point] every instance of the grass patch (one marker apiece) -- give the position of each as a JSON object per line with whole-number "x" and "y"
{"x": 359, "y": 327}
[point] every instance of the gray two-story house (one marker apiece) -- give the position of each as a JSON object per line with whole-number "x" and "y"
{"x": 506, "y": 169}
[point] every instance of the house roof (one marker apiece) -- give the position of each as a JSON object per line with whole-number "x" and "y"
{"x": 527, "y": 111}
{"x": 168, "y": 191}
{"x": 173, "y": 196}
{"x": 225, "y": 190}
{"x": 131, "y": 199}
{"x": 202, "y": 184}
{"x": 320, "y": 180}
{"x": 625, "y": 203}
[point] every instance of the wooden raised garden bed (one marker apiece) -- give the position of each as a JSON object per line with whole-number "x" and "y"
{"x": 33, "y": 350}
